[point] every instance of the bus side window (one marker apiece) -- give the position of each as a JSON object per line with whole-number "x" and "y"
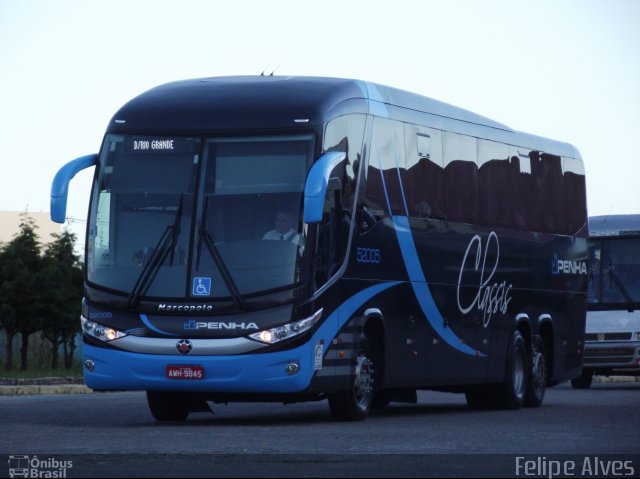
{"x": 497, "y": 176}
{"x": 101, "y": 239}
{"x": 575, "y": 192}
{"x": 331, "y": 238}
{"x": 346, "y": 133}
{"x": 423, "y": 181}
{"x": 461, "y": 178}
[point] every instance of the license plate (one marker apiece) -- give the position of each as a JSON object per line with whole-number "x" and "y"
{"x": 185, "y": 372}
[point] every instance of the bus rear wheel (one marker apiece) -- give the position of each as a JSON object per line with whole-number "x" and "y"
{"x": 168, "y": 406}
{"x": 511, "y": 394}
{"x": 355, "y": 403}
{"x": 537, "y": 383}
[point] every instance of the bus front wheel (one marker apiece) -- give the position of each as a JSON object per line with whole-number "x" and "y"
{"x": 355, "y": 403}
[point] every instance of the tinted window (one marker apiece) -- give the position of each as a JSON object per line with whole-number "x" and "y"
{"x": 614, "y": 275}
{"x": 547, "y": 172}
{"x": 461, "y": 178}
{"x": 346, "y": 133}
{"x": 575, "y": 193}
{"x": 424, "y": 181}
{"x": 497, "y": 178}
{"x": 386, "y": 160}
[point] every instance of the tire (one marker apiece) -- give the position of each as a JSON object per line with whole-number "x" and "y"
{"x": 584, "y": 380}
{"x": 355, "y": 403}
{"x": 537, "y": 382}
{"x": 511, "y": 394}
{"x": 168, "y": 406}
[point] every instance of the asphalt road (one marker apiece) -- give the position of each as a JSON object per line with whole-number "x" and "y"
{"x": 114, "y": 435}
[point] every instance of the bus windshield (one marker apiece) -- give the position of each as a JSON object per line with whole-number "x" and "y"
{"x": 198, "y": 218}
{"x": 615, "y": 271}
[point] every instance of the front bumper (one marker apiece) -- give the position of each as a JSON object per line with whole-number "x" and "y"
{"x": 612, "y": 354}
{"x": 117, "y": 370}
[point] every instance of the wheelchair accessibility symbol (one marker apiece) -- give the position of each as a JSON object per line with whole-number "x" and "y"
{"x": 201, "y": 286}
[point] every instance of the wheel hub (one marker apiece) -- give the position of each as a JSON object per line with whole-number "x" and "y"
{"x": 363, "y": 384}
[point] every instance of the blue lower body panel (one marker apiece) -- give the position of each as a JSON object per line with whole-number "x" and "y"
{"x": 117, "y": 370}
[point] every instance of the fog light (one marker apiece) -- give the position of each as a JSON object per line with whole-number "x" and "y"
{"x": 90, "y": 365}
{"x": 292, "y": 368}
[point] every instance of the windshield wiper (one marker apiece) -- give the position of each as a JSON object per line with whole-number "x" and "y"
{"x": 209, "y": 242}
{"x": 167, "y": 244}
{"x": 614, "y": 277}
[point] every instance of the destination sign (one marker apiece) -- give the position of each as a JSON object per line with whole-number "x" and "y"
{"x": 137, "y": 144}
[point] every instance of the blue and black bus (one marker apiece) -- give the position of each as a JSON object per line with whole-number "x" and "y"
{"x": 294, "y": 238}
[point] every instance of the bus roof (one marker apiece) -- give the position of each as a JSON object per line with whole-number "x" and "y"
{"x": 614, "y": 225}
{"x": 278, "y": 102}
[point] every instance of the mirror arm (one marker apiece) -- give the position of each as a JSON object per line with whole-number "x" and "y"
{"x": 317, "y": 183}
{"x": 60, "y": 185}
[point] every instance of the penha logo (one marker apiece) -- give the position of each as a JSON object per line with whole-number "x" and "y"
{"x": 192, "y": 324}
{"x": 566, "y": 266}
{"x": 489, "y": 298}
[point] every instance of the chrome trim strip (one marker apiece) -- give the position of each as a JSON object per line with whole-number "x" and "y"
{"x": 201, "y": 347}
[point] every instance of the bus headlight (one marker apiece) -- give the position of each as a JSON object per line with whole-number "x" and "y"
{"x": 287, "y": 331}
{"x": 98, "y": 331}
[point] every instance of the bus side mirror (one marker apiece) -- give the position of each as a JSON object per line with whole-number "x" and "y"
{"x": 318, "y": 181}
{"x": 60, "y": 185}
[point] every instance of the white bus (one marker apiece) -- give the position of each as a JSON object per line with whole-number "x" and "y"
{"x": 612, "y": 341}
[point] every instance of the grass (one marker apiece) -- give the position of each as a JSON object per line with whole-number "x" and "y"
{"x": 34, "y": 372}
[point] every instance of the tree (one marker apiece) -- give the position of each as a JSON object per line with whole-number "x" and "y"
{"x": 20, "y": 291}
{"x": 60, "y": 305}
{"x": 8, "y": 317}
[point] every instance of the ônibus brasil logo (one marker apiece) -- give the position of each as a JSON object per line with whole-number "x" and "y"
{"x": 27, "y": 466}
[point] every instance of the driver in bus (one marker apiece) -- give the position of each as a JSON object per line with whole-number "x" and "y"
{"x": 283, "y": 231}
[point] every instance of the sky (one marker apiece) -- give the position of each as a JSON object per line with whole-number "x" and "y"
{"x": 563, "y": 69}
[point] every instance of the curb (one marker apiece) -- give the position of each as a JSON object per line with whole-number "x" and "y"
{"x": 34, "y": 389}
{"x": 28, "y": 388}
{"x": 36, "y": 386}
{"x": 615, "y": 379}
{"x": 50, "y": 381}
